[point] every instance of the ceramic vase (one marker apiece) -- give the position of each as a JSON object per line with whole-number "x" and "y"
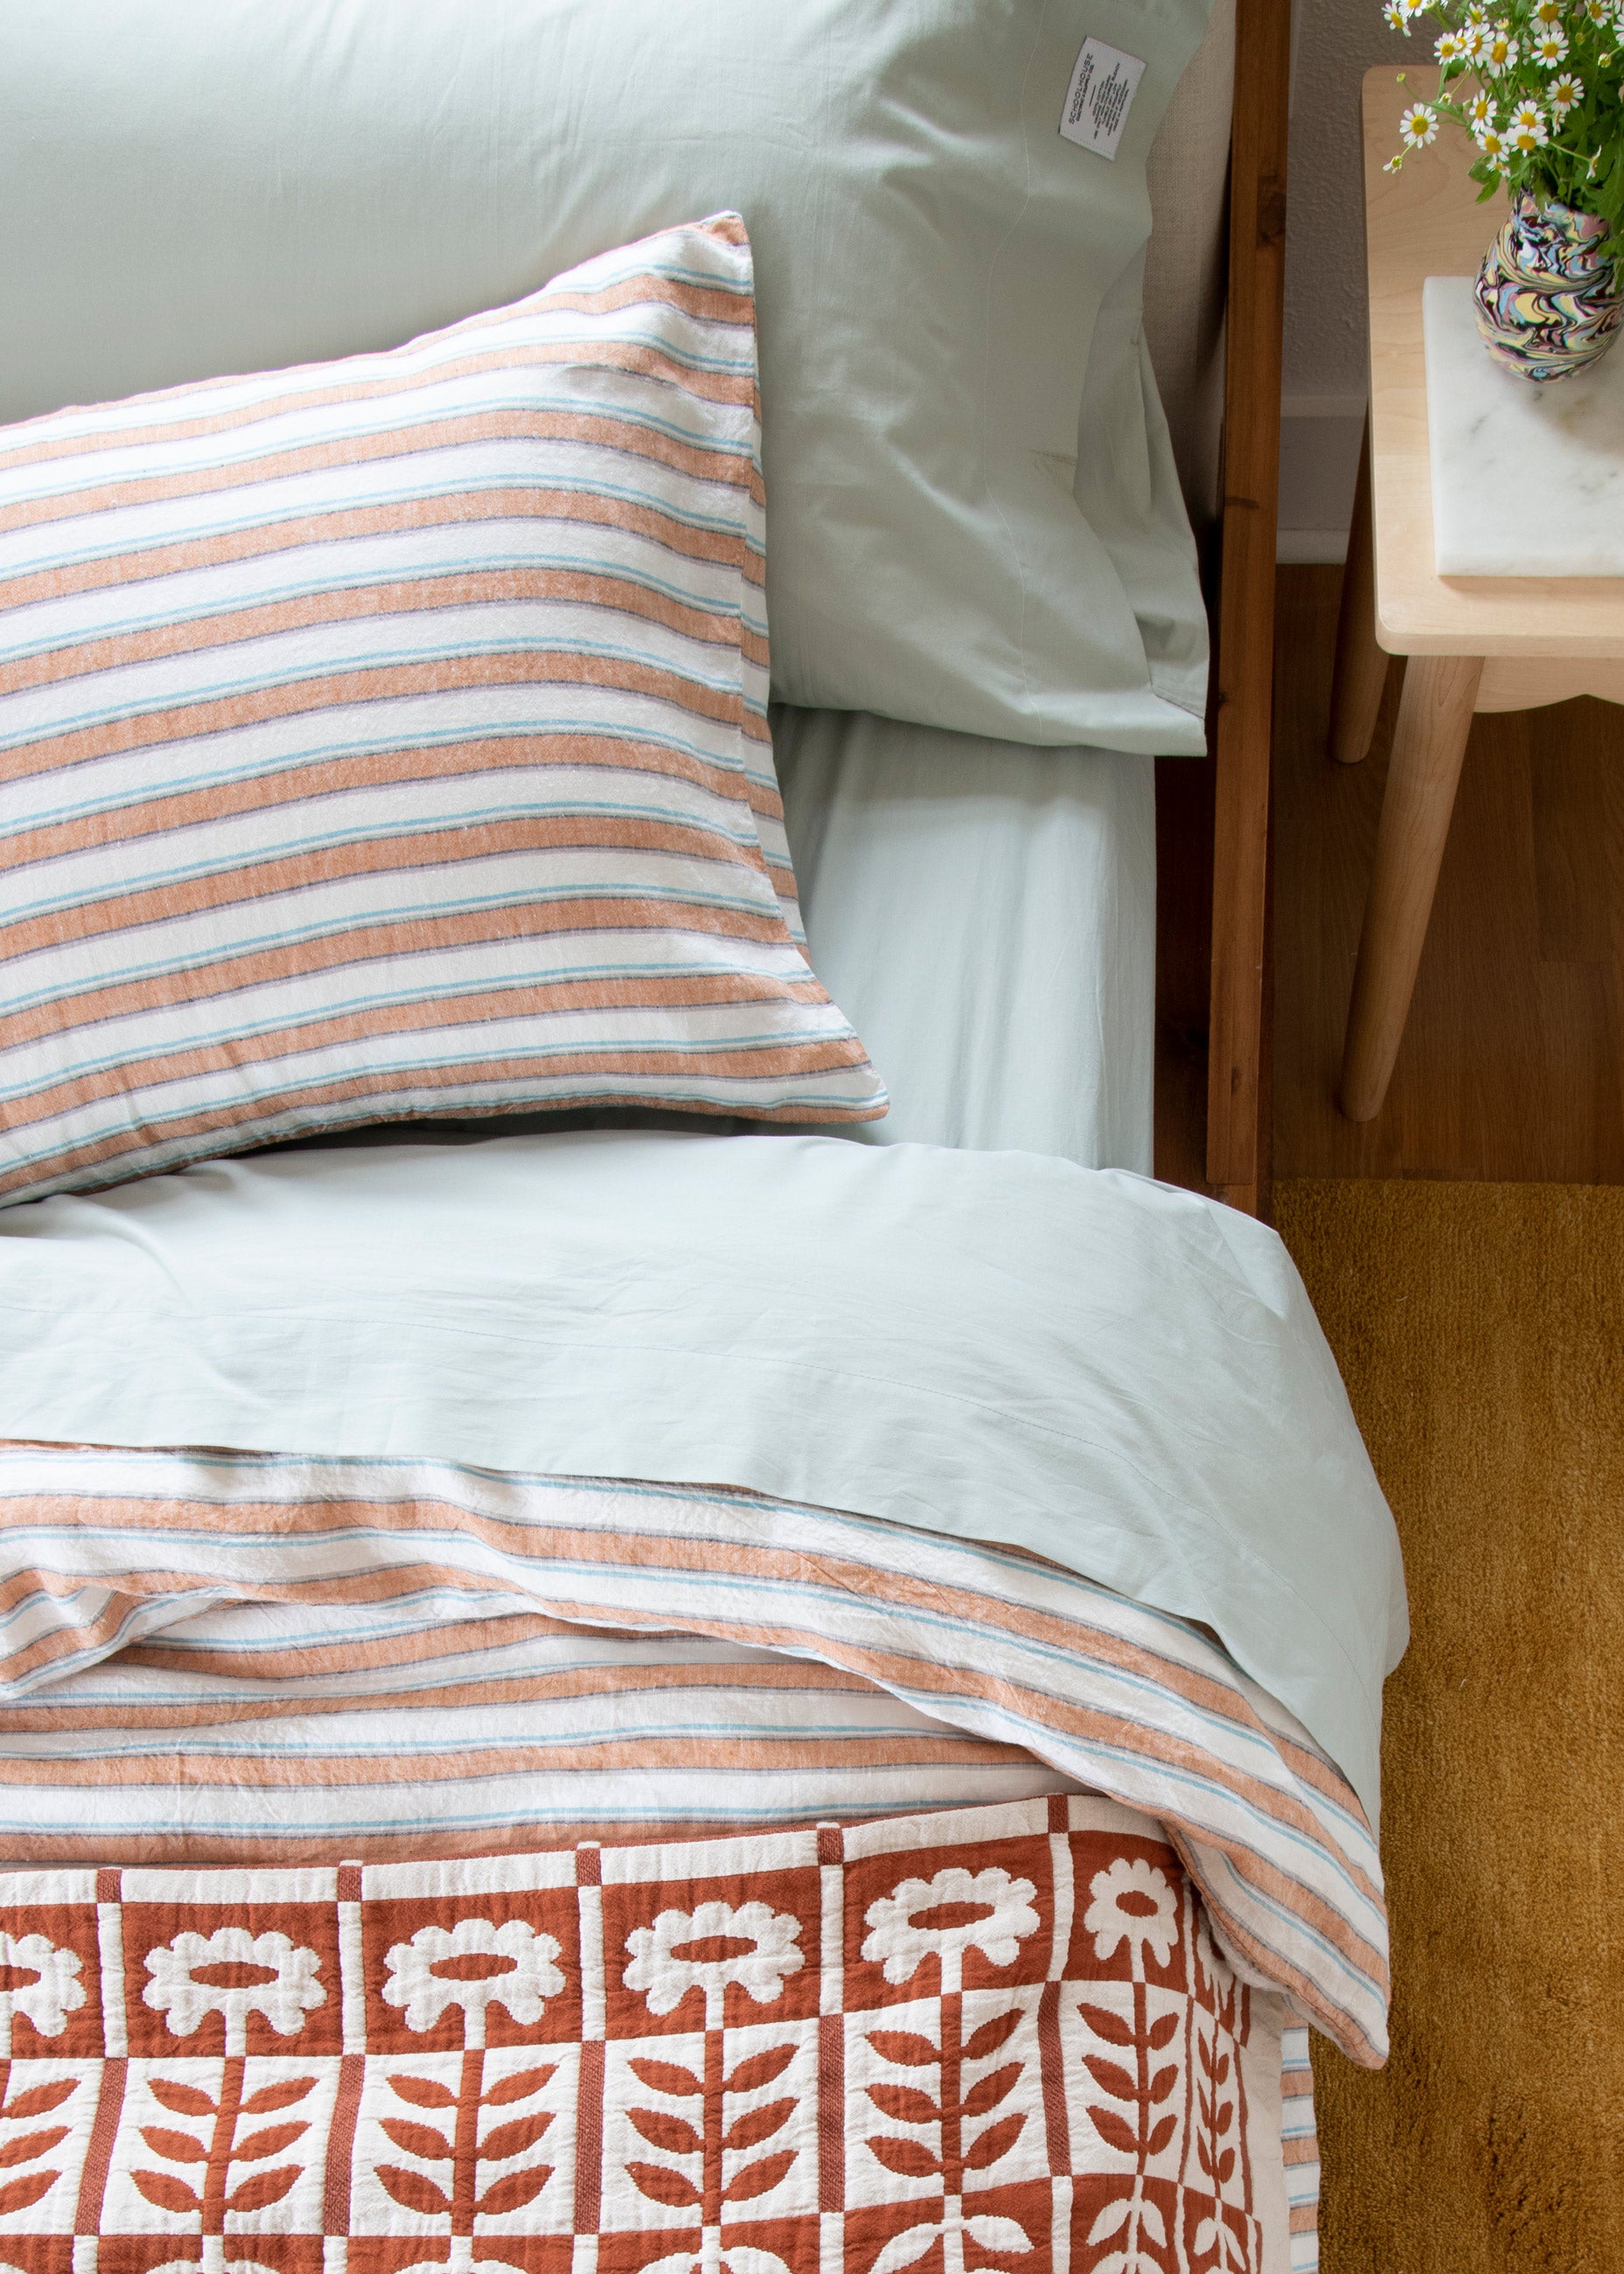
{"x": 1548, "y": 303}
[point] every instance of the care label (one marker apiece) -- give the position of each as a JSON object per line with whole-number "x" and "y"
{"x": 1100, "y": 94}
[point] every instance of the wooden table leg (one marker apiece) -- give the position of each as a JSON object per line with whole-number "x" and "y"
{"x": 1434, "y": 719}
{"x": 1361, "y": 673}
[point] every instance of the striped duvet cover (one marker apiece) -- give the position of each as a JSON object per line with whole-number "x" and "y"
{"x": 216, "y": 1656}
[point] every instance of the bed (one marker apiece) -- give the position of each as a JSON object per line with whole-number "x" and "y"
{"x": 712, "y": 1634}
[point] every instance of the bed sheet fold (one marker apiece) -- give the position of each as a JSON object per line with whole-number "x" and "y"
{"x": 240, "y": 1657}
{"x": 1122, "y": 1378}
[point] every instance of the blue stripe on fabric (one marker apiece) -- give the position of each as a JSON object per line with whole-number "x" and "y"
{"x": 447, "y": 1103}
{"x": 837, "y": 1520}
{"x": 742, "y": 836}
{"x": 403, "y": 407}
{"x": 451, "y": 905}
{"x": 1000, "y": 1712}
{"x": 440, "y": 1821}
{"x": 353, "y": 1005}
{"x": 204, "y": 608}
{"x": 263, "y": 682}
{"x": 754, "y": 1733}
{"x": 356, "y": 501}
{"x": 726, "y": 761}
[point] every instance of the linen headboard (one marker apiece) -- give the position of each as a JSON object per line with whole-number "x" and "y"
{"x": 1185, "y": 265}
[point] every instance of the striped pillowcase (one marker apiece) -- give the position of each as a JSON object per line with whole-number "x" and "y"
{"x": 388, "y": 738}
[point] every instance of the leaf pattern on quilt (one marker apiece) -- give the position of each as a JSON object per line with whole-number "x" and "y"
{"x": 831, "y": 2115}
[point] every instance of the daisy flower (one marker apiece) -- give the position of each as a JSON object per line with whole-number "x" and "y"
{"x": 1525, "y": 129}
{"x": 1491, "y": 142}
{"x": 1417, "y": 126}
{"x": 1132, "y": 1903}
{"x": 1499, "y": 51}
{"x": 1473, "y": 34}
{"x": 1550, "y": 45}
{"x": 1480, "y": 111}
{"x": 1398, "y": 14}
{"x": 1449, "y": 49}
{"x": 1564, "y": 90}
{"x": 1599, "y": 11}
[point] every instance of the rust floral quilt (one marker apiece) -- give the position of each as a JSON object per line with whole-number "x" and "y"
{"x": 994, "y": 2038}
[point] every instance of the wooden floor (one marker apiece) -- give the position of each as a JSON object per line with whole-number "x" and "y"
{"x": 1513, "y": 1062}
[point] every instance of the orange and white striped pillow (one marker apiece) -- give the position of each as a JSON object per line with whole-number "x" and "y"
{"x": 388, "y": 738}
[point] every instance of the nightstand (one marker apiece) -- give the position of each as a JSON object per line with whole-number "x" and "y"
{"x": 1473, "y": 643}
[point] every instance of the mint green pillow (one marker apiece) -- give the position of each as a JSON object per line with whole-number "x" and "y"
{"x": 974, "y": 521}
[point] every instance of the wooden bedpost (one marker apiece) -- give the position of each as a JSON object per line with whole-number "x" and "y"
{"x": 1237, "y": 1142}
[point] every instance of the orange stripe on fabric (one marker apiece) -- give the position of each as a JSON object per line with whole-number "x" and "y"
{"x": 520, "y": 757}
{"x": 201, "y": 1846}
{"x": 310, "y": 1770}
{"x": 422, "y": 595}
{"x": 907, "y": 1674}
{"x": 387, "y": 376}
{"x": 537, "y": 502}
{"x": 102, "y": 1006}
{"x": 449, "y": 848}
{"x": 585, "y": 1683}
{"x": 426, "y": 1015}
{"x": 538, "y": 665}
{"x": 310, "y": 1108}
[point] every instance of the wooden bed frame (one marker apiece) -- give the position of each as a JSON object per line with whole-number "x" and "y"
{"x": 1237, "y": 1088}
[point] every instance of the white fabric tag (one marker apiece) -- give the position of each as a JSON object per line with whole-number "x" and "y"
{"x": 1100, "y": 94}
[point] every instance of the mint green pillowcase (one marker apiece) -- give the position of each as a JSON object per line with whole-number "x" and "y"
{"x": 973, "y": 517}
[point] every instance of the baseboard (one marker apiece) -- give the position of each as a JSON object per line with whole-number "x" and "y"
{"x": 1318, "y": 460}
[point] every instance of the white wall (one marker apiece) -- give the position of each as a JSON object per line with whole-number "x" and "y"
{"x": 1335, "y": 43}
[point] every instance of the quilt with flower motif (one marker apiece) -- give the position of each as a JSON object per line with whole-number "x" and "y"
{"x": 996, "y": 2038}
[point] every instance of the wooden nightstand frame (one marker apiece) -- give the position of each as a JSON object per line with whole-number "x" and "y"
{"x": 1473, "y": 643}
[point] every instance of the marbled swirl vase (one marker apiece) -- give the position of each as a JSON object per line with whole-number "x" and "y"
{"x": 1547, "y": 301}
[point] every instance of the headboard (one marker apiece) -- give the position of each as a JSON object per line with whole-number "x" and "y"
{"x": 1242, "y": 708}
{"x": 1189, "y": 169}
{"x": 1214, "y": 305}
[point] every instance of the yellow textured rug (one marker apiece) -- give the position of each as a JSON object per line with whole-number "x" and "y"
{"x": 1480, "y": 1330}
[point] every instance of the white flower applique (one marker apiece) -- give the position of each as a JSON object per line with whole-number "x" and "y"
{"x": 473, "y": 1966}
{"x": 234, "y": 1973}
{"x": 1132, "y": 1903}
{"x": 752, "y": 1946}
{"x": 40, "y": 1982}
{"x": 945, "y": 1918}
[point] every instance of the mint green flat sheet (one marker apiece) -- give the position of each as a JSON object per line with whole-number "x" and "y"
{"x": 1117, "y": 1374}
{"x": 985, "y": 913}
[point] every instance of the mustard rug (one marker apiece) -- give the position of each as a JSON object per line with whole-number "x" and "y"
{"x": 1480, "y": 1331}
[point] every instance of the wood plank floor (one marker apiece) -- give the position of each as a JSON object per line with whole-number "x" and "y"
{"x": 1513, "y": 1062}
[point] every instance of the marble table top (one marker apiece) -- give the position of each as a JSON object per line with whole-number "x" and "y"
{"x": 1528, "y": 479}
